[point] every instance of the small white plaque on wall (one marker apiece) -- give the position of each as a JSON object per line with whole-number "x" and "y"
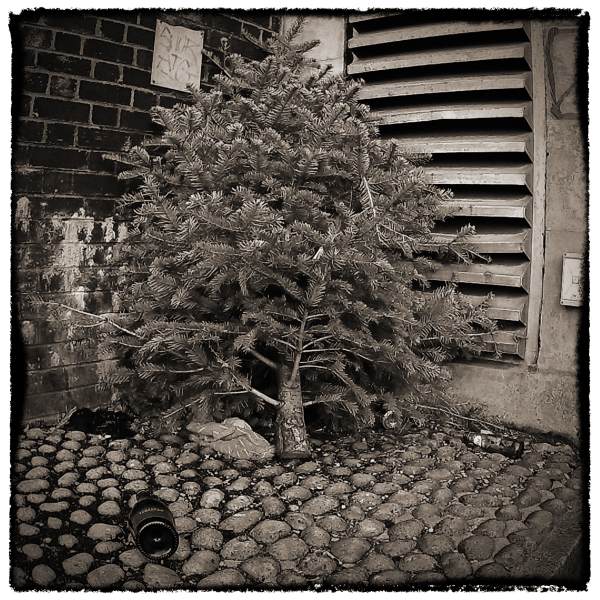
{"x": 571, "y": 293}
{"x": 177, "y": 57}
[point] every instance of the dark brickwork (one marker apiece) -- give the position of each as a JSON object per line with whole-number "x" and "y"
{"x": 84, "y": 89}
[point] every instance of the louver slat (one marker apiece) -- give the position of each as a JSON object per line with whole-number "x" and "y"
{"x": 464, "y": 143}
{"x": 416, "y": 32}
{"x": 443, "y": 56}
{"x": 480, "y": 175}
{"x": 500, "y": 207}
{"x": 502, "y": 306}
{"x": 469, "y": 83}
{"x": 493, "y": 274}
{"x": 370, "y": 16}
{"x": 445, "y": 84}
{"x": 507, "y": 341}
{"x": 495, "y": 243}
{"x": 454, "y": 111}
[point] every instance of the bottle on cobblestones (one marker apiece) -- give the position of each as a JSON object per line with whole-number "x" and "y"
{"x": 153, "y": 528}
{"x": 496, "y": 443}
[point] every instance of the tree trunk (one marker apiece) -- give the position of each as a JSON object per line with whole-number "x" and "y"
{"x": 290, "y": 430}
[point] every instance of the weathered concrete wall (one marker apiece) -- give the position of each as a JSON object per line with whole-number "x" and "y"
{"x": 330, "y": 31}
{"x": 545, "y": 395}
{"x": 84, "y": 81}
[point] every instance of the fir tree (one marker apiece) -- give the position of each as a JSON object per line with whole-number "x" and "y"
{"x": 274, "y": 231}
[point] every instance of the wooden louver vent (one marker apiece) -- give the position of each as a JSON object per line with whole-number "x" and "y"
{"x": 461, "y": 90}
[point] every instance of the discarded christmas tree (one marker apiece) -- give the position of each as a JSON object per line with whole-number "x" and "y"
{"x": 273, "y": 230}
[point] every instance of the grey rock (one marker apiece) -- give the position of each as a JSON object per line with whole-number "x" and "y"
{"x": 510, "y": 556}
{"x": 369, "y": 528}
{"x": 241, "y": 521}
{"x": 37, "y": 473}
{"x": 455, "y": 566}
{"x": 107, "y": 547}
{"x": 239, "y": 549}
{"x": 389, "y": 579}
{"x": 78, "y": 564}
{"x": 106, "y": 576}
{"x": 289, "y": 548}
{"x": 32, "y": 486}
{"x": 61, "y": 494}
{"x": 261, "y": 569}
{"x": 435, "y": 544}
{"x": 348, "y": 577}
{"x": 317, "y": 565}
{"x": 398, "y": 548}
{"x": 185, "y": 524}
{"x": 42, "y": 575}
{"x": 239, "y": 503}
{"x": 540, "y": 519}
{"x": 477, "y": 547}
{"x": 32, "y": 551}
{"x": 272, "y": 506}
{"x": 109, "y": 508}
{"x": 404, "y": 499}
{"x": 67, "y": 540}
{"x": 226, "y": 579}
{"x": 54, "y": 523}
{"x": 207, "y": 538}
{"x": 201, "y": 563}
{"x": 86, "y": 488}
{"x": 207, "y": 516}
{"x": 132, "y": 559}
{"x": 299, "y": 521}
{"x": 27, "y": 530}
{"x": 316, "y": 537}
{"x": 350, "y": 550}
{"x": 269, "y": 531}
{"x": 415, "y": 563}
{"x": 491, "y": 571}
{"x": 54, "y": 507}
{"x": 366, "y": 500}
{"x": 330, "y": 523}
{"x": 111, "y": 493}
{"x": 101, "y": 532}
{"x": 25, "y": 514}
{"x": 180, "y": 507}
{"x": 87, "y": 501}
{"x": 375, "y": 563}
{"x": 494, "y": 528}
{"x": 160, "y": 577}
{"x": 212, "y": 499}
{"x": 296, "y": 492}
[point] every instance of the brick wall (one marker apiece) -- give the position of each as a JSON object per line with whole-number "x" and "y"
{"x": 82, "y": 82}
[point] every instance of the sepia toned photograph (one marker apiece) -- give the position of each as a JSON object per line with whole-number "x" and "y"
{"x": 299, "y": 300}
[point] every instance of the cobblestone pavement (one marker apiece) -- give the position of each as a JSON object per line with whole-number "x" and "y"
{"x": 376, "y": 512}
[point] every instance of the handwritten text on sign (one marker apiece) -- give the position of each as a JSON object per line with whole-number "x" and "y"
{"x": 177, "y": 56}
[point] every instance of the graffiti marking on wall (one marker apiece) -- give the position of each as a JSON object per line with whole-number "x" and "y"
{"x": 177, "y": 58}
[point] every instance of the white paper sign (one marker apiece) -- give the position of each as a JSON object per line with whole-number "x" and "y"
{"x": 177, "y": 58}
{"x": 572, "y": 280}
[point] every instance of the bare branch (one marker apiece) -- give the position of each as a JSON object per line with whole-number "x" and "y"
{"x": 317, "y": 341}
{"x": 263, "y": 359}
{"x": 103, "y": 318}
{"x": 298, "y": 356}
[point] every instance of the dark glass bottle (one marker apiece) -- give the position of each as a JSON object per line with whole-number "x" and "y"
{"x": 153, "y": 528}
{"x": 496, "y": 443}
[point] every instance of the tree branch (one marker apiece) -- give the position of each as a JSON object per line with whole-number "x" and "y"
{"x": 298, "y": 356}
{"x": 263, "y": 359}
{"x": 317, "y": 341}
{"x": 246, "y": 386}
{"x": 104, "y": 318}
